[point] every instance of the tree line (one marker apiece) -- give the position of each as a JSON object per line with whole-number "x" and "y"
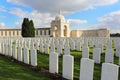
{"x": 115, "y": 35}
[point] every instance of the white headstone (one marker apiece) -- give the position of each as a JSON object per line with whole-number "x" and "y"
{"x": 91, "y": 44}
{"x": 109, "y": 46}
{"x": 117, "y": 51}
{"x": 14, "y": 52}
{"x": 97, "y": 55}
{"x": 29, "y": 44}
{"x": 68, "y": 67}
{"x": 20, "y": 58}
{"x": 19, "y": 44}
{"x": 109, "y": 71}
{"x": 119, "y": 61}
{"x": 78, "y": 46}
{"x": 10, "y": 50}
{"x": 0, "y": 48}
{"x": 52, "y": 48}
{"x": 32, "y": 45}
{"x": 3, "y": 48}
{"x": 86, "y": 69}
{"x": 72, "y": 45}
{"x": 100, "y": 46}
{"x": 6, "y": 49}
{"x": 22, "y": 41}
{"x": 85, "y": 52}
{"x": 119, "y": 58}
{"x": 59, "y": 49}
{"x": 33, "y": 57}
{"x": 53, "y": 62}
{"x": 109, "y": 56}
{"x": 41, "y": 48}
{"x": 46, "y": 49}
{"x": 26, "y": 56}
{"x": 85, "y": 45}
{"x": 25, "y": 44}
{"x": 66, "y": 50}
{"x": 36, "y": 45}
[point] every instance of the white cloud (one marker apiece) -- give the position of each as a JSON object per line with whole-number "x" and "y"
{"x": 68, "y": 6}
{"x": 44, "y": 10}
{"x": 111, "y": 20}
{"x": 39, "y": 19}
{"x": 104, "y": 2}
{"x": 2, "y": 25}
{"x": 18, "y": 24}
{"x": 77, "y": 21}
{"x": 115, "y": 31}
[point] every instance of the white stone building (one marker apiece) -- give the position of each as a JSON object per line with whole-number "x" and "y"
{"x": 59, "y": 28}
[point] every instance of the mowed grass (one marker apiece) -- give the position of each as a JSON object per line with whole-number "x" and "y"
{"x": 9, "y": 70}
{"x": 43, "y": 61}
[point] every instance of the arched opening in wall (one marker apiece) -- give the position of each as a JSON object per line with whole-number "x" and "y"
{"x": 49, "y": 32}
{"x": 40, "y": 32}
{"x": 55, "y": 32}
{"x": 65, "y": 31}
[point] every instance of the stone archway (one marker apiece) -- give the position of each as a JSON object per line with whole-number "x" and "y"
{"x": 55, "y": 31}
{"x": 65, "y": 31}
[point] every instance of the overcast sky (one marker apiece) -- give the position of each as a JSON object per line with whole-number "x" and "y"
{"x": 82, "y": 14}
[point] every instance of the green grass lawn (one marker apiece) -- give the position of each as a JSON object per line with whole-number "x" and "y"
{"x": 10, "y": 70}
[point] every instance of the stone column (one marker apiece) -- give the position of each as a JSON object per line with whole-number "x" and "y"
{"x": 38, "y": 32}
{"x": 3, "y": 33}
{"x": 42, "y": 32}
{"x": 46, "y": 32}
{"x": 11, "y": 33}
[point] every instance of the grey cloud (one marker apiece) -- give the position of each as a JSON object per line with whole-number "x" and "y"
{"x": 112, "y": 20}
{"x": 52, "y": 6}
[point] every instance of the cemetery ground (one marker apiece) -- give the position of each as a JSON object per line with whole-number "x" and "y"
{"x": 43, "y": 61}
{"x": 9, "y": 68}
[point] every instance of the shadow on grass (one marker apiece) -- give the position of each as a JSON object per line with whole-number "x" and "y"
{"x": 11, "y": 69}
